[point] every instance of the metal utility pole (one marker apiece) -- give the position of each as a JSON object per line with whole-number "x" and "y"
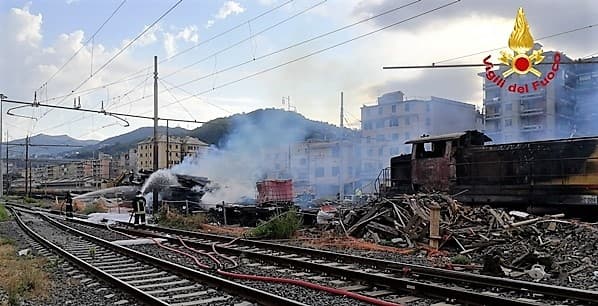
{"x": 167, "y": 146}
{"x": 26, "y": 165}
{"x": 2, "y": 97}
{"x": 155, "y": 191}
{"x": 341, "y": 181}
{"x": 7, "y": 179}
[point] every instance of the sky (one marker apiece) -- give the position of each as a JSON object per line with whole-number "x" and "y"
{"x": 217, "y": 58}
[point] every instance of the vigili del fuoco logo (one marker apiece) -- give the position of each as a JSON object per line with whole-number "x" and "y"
{"x": 521, "y": 60}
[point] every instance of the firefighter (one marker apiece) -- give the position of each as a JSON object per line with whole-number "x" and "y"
{"x": 69, "y": 205}
{"x": 139, "y": 208}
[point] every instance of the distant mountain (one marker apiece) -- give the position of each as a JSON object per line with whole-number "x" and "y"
{"x": 215, "y": 132}
{"x": 17, "y": 148}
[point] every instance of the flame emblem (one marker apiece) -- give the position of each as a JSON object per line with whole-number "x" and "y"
{"x": 521, "y": 42}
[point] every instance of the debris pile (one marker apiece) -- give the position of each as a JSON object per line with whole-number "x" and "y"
{"x": 505, "y": 243}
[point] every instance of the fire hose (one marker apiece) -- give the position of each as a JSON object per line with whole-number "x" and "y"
{"x": 279, "y": 280}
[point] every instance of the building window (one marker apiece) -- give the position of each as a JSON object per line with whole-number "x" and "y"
{"x": 335, "y": 171}
{"x": 428, "y": 107}
{"x": 380, "y": 110}
{"x": 319, "y": 172}
{"x": 407, "y": 121}
{"x": 335, "y": 151}
{"x": 394, "y": 108}
{"x": 407, "y": 105}
{"x": 394, "y": 121}
{"x": 508, "y": 122}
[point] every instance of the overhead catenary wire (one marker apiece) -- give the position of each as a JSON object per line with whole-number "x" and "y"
{"x": 120, "y": 52}
{"x": 176, "y": 100}
{"x": 301, "y": 43}
{"x": 179, "y": 86}
{"x": 104, "y": 112}
{"x": 139, "y": 73}
{"x": 321, "y": 50}
{"x": 250, "y": 38}
{"x": 84, "y": 45}
{"x": 499, "y": 48}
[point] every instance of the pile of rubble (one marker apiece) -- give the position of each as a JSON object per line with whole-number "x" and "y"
{"x": 512, "y": 243}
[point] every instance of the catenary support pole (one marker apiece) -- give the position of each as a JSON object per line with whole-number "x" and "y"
{"x": 155, "y": 153}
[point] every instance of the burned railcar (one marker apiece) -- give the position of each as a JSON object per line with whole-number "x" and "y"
{"x": 554, "y": 172}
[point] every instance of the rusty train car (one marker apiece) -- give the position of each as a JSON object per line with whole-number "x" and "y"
{"x": 531, "y": 174}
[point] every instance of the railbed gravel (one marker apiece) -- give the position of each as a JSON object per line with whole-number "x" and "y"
{"x": 65, "y": 289}
{"x": 418, "y": 258}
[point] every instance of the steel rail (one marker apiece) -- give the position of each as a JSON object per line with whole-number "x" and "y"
{"x": 390, "y": 281}
{"x": 546, "y": 289}
{"x": 438, "y": 273}
{"x": 249, "y": 293}
{"x": 142, "y": 296}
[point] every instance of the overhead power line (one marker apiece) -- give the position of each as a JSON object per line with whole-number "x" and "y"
{"x": 179, "y": 86}
{"x": 119, "y": 52}
{"x": 140, "y": 72}
{"x": 251, "y": 36}
{"x": 576, "y": 62}
{"x": 499, "y": 48}
{"x": 84, "y": 45}
{"x": 104, "y": 112}
{"x": 322, "y": 50}
{"x": 300, "y": 43}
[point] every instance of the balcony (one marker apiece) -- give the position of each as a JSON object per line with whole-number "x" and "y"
{"x": 491, "y": 100}
{"x": 493, "y": 116}
{"x": 532, "y": 111}
{"x": 532, "y": 128}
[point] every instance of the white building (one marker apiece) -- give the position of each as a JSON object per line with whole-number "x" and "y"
{"x": 393, "y": 120}
{"x": 317, "y": 166}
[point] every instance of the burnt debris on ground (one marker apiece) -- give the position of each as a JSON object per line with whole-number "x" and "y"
{"x": 492, "y": 241}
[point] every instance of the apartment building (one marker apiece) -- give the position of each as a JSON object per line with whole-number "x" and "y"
{"x": 546, "y": 113}
{"x": 317, "y": 166}
{"x": 171, "y": 151}
{"x": 581, "y": 89}
{"x": 393, "y": 120}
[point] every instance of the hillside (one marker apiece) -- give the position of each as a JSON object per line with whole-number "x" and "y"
{"x": 17, "y": 148}
{"x": 215, "y": 132}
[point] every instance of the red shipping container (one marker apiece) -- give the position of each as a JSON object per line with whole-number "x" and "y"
{"x": 275, "y": 191}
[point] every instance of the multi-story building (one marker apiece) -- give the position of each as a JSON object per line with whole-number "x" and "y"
{"x": 545, "y": 113}
{"x": 387, "y": 125}
{"x": 171, "y": 151}
{"x": 581, "y": 88}
{"x": 316, "y": 166}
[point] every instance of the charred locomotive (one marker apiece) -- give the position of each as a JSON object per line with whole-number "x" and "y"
{"x": 539, "y": 173}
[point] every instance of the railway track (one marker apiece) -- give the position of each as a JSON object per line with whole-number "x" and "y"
{"x": 150, "y": 280}
{"x": 361, "y": 274}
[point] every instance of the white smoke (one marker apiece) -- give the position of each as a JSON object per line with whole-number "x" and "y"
{"x": 240, "y": 161}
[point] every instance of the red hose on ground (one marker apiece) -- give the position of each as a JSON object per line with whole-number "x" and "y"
{"x": 296, "y": 282}
{"x": 195, "y": 259}
{"x": 305, "y": 284}
{"x": 214, "y": 259}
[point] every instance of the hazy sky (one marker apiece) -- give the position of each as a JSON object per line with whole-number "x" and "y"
{"x": 38, "y": 37}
